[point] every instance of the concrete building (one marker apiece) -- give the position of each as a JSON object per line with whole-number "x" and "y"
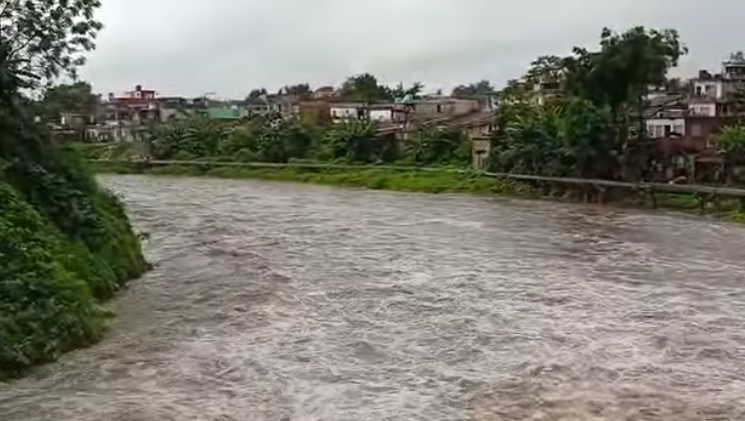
{"x": 382, "y": 113}
{"x": 341, "y": 111}
{"x": 713, "y": 102}
{"x": 666, "y": 116}
{"x": 324, "y": 92}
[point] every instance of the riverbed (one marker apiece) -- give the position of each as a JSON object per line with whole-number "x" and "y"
{"x": 280, "y": 301}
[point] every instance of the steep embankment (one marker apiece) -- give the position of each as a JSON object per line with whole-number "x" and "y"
{"x": 65, "y": 245}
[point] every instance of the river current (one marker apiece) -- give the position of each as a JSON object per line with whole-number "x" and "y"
{"x": 277, "y": 301}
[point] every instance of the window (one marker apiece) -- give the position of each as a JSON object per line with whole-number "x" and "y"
{"x": 668, "y": 130}
{"x": 439, "y": 108}
{"x": 696, "y": 130}
{"x": 698, "y": 91}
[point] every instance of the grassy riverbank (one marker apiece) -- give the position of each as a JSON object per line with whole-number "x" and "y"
{"x": 372, "y": 178}
{"x": 412, "y": 181}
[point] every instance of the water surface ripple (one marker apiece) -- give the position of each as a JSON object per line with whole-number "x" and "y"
{"x": 275, "y": 301}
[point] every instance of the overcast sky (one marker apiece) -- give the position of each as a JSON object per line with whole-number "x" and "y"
{"x": 191, "y": 47}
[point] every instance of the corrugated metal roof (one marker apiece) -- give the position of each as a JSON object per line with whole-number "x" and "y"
{"x": 223, "y": 113}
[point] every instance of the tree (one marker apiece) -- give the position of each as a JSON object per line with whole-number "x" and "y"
{"x": 257, "y": 96}
{"x": 40, "y": 39}
{"x": 530, "y": 143}
{"x": 546, "y": 70}
{"x": 414, "y": 91}
{"x": 77, "y": 97}
{"x": 352, "y": 140}
{"x": 620, "y": 74}
{"x": 364, "y": 88}
{"x": 515, "y": 91}
{"x": 301, "y": 90}
{"x": 481, "y": 88}
{"x": 587, "y": 144}
{"x": 435, "y": 146}
{"x": 732, "y": 143}
{"x": 737, "y": 57}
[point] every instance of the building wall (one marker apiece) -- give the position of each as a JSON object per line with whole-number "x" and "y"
{"x": 344, "y": 113}
{"x": 381, "y": 115}
{"x": 703, "y": 110}
{"x": 701, "y": 132}
{"x": 464, "y": 106}
{"x": 709, "y": 88}
{"x": 480, "y": 150}
{"x": 663, "y": 127}
{"x": 429, "y": 109}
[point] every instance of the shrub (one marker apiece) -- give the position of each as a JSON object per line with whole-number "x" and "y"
{"x": 64, "y": 243}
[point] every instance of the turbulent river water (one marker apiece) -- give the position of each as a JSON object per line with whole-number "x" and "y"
{"x": 274, "y": 301}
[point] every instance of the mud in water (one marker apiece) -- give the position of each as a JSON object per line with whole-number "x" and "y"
{"x": 275, "y": 301}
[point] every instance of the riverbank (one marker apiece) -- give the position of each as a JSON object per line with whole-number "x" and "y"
{"x": 424, "y": 180}
{"x": 66, "y": 247}
{"x": 366, "y": 177}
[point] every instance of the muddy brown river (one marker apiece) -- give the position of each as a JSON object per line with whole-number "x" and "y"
{"x": 274, "y": 301}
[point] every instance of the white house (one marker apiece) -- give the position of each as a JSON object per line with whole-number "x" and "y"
{"x": 347, "y": 111}
{"x": 381, "y": 113}
{"x": 666, "y": 116}
{"x": 358, "y": 111}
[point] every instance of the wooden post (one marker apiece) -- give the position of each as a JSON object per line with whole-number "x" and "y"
{"x": 601, "y": 194}
{"x": 652, "y": 198}
{"x": 701, "y": 203}
{"x": 742, "y": 204}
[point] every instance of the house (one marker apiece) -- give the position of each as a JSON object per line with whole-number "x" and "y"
{"x": 342, "y": 111}
{"x": 324, "y": 92}
{"x": 443, "y": 107}
{"x": 137, "y": 107}
{"x": 665, "y": 116}
{"x": 713, "y": 101}
{"x": 382, "y": 113}
{"x": 75, "y": 121}
{"x": 287, "y": 106}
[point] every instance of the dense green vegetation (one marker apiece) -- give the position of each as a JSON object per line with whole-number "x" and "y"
{"x": 586, "y": 118}
{"x": 65, "y": 243}
{"x": 732, "y": 144}
{"x": 263, "y": 139}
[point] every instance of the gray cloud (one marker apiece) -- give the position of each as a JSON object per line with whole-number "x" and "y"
{"x": 191, "y": 47}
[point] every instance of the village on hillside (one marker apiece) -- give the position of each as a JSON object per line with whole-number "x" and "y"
{"x": 682, "y": 117}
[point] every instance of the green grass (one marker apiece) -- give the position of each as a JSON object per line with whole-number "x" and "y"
{"x": 402, "y": 180}
{"x": 111, "y": 151}
{"x": 377, "y": 179}
{"x": 686, "y": 202}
